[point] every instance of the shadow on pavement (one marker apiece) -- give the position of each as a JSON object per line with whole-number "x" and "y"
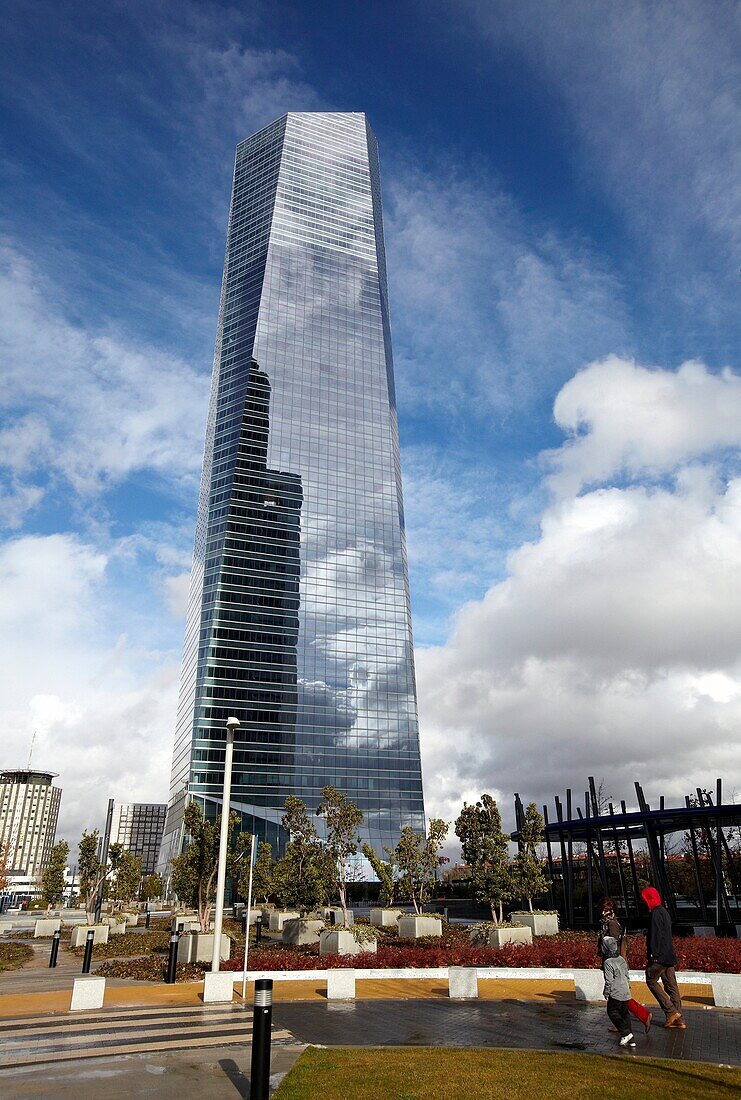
{"x": 231, "y": 1070}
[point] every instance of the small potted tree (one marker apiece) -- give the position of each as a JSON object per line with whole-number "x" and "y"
{"x": 528, "y": 878}
{"x": 484, "y": 847}
{"x": 385, "y": 915}
{"x": 417, "y": 859}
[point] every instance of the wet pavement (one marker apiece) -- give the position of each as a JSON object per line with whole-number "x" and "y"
{"x": 712, "y": 1035}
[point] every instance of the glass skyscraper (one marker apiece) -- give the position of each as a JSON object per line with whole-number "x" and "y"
{"x": 298, "y": 621}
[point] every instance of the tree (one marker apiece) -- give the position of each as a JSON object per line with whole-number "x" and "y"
{"x": 484, "y": 848}
{"x": 385, "y": 872}
{"x": 93, "y": 873}
{"x": 304, "y": 875}
{"x": 128, "y": 877}
{"x": 152, "y": 887}
{"x": 262, "y": 873}
{"x": 52, "y": 877}
{"x": 527, "y": 874}
{"x": 194, "y": 872}
{"x": 343, "y": 820}
{"x": 417, "y": 860}
{"x": 4, "y": 881}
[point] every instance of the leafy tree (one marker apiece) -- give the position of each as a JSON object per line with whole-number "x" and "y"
{"x": 4, "y": 881}
{"x": 417, "y": 860}
{"x": 484, "y": 847}
{"x": 93, "y": 873}
{"x": 194, "y": 872}
{"x": 304, "y": 875}
{"x": 527, "y": 873}
{"x": 152, "y": 887}
{"x": 262, "y": 873}
{"x": 128, "y": 877}
{"x": 52, "y": 877}
{"x": 385, "y": 872}
{"x": 343, "y": 820}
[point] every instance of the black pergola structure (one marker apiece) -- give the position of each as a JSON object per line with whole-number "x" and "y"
{"x": 632, "y": 845}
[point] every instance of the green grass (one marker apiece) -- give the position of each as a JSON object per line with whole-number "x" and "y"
{"x": 14, "y": 955}
{"x": 445, "y": 1074}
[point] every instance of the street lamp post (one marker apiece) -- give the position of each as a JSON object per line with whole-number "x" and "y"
{"x": 231, "y": 725}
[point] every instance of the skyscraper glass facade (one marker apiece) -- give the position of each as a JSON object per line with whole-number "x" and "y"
{"x": 298, "y": 620}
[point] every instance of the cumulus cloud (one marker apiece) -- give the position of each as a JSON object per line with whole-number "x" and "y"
{"x": 101, "y": 708}
{"x": 609, "y": 411}
{"x": 613, "y": 644}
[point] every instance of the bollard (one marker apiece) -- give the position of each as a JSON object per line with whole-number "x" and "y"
{"x": 262, "y": 1020}
{"x": 258, "y": 929}
{"x": 88, "y": 956}
{"x": 172, "y": 958}
{"x": 147, "y": 919}
{"x": 244, "y": 922}
{"x": 54, "y": 949}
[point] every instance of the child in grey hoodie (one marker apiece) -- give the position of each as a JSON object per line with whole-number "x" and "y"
{"x": 617, "y": 989}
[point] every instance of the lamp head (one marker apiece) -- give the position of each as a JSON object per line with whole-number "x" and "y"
{"x": 232, "y": 724}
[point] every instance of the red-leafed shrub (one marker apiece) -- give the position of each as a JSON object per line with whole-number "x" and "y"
{"x": 568, "y": 949}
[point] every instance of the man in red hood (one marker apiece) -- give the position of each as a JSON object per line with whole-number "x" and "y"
{"x": 661, "y": 959}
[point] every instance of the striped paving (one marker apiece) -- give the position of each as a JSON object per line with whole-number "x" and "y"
{"x": 43, "y": 1040}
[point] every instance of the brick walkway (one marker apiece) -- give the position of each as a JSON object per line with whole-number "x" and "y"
{"x": 712, "y": 1035}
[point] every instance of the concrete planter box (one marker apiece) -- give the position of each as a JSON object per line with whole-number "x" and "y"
{"x": 46, "y": 927}
{"x": 498, "y": 937}
{"x": 79, "y": 934}
{"x": 339, "y": 916}
{"x": 385, "y": 918}
{"x": 276, "y": 920}
{"x": 540, "y": 924}
{"x": 300, "y": 931}
{"x": 117, "y": 928}
{"x": 199, "y": 947}
{"x": 342, "y": 942}
{"x": 413, "y": 928}
{"x": 185, "y": 924}
{"x": 132, "y": 919}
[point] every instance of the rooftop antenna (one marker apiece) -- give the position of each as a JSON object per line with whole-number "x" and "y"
{"x": 30, "y": 751}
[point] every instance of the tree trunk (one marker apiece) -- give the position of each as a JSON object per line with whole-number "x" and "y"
{"x": 501, "y": 911}
{"x": 493, "y": 907}
{"x": 530, "y": 903}
{"x": 342, "y": 890}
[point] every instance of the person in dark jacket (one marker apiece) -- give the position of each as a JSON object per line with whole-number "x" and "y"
{"x": 661, "y": 959}
{"x": 617, "y": 990}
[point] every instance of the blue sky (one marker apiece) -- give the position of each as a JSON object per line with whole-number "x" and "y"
{"x": 560, "y": 189}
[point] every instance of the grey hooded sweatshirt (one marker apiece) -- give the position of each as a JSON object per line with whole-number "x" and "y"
{"x": 615, "y": 969}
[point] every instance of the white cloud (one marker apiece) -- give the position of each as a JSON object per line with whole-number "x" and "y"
{"x": 103, "y": 712}
{"x": 613, "y": 645}
{"x": 610, "y": 411}
{"x": 90, "y": 407}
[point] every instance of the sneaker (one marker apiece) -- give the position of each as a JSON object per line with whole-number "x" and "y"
{"x": 680, "y": 1024}
{"x": 612, "y": 1028}
{"x": 671, "y": 1020}
{"x": 627, "y": 1041}
{"x": 647, "y": 1024}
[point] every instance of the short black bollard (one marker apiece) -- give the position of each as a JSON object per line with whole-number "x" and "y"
{"x": 54, "y": 949}
{"x": 262, "y": 1022}
{"x": 258, "y": 929}
{"x": 172, "y": 958}
{"x": 88, "y": 956}
{"x": 147, "y": 919}
{"x": 244, "y": 922}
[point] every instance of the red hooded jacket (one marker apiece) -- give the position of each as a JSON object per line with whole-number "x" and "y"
{"x": 651, "y": 896}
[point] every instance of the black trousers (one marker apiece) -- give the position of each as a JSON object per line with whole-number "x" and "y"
{"x": 620, "y": 1016}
